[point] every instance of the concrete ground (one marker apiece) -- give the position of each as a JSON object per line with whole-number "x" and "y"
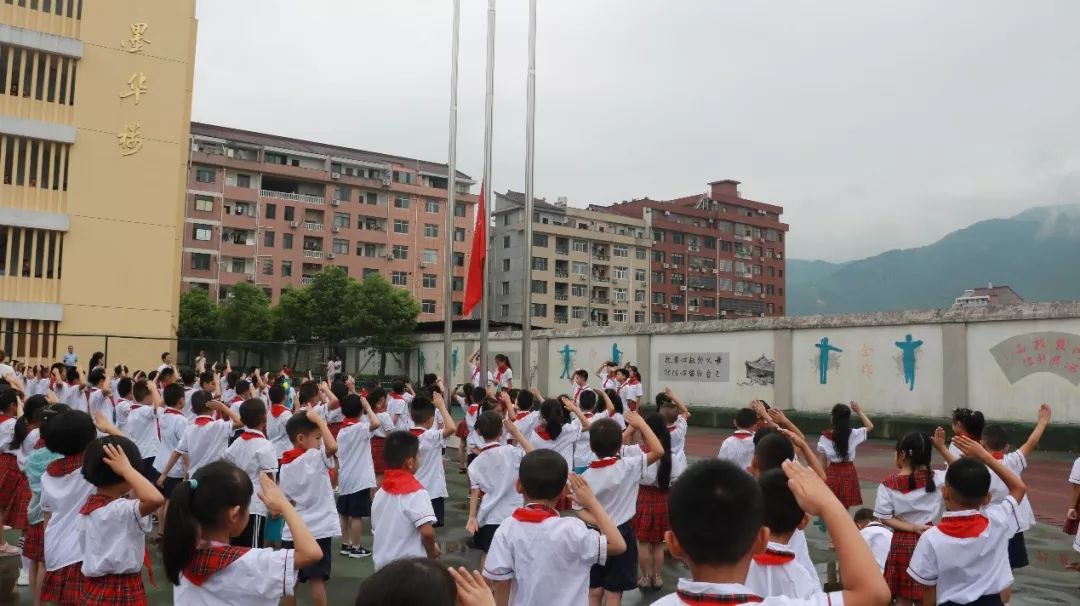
{"x": 1044, "y": 582}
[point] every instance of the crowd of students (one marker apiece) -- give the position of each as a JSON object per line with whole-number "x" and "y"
{"x": 245, "y": 479}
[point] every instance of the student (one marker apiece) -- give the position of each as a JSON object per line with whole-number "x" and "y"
{"x": 113, "y": 528}
{"x": 719, "y": 555}
{"x": 539, "y": 557}
{"x": 837, "y": 447}
{"x": 205, "y": 440}
{"x": 964, "y": 558}
{"x": 908, "y": 502}
{"x": 377, "y": 399}
{"x": 650, "y": 522}
{"x": 204, "y": 514}
{"x": 474, "y": 371}
{"x": 588, "y": 402}
{"x": 36, "y": 463}
{"x": 739, "y": 447}
{"x": 580, "y": 383}
{"x": 614, "y": 478}
{"x": 398, "y": 406}
{"x": 24, "y": 441}
{"x": 877, "y": 535}
{"x": 606, "y": 374}
{"x": 630, "y": 389}
{"x": 774, "y": 447}
{"x": 967, "y": 422}
{"x": 188, "y": 378}
{"x": 63, "y": 492}
{"x": 277, "y": 419}
{"x": 10, "y": 476}
{"x": 504, "y": 373}
{"x": 675, "y": 414}
{"x": 493, "y": 475}
{"x": 402, "y": 518}
{"x": 356, "y": 472}
{"x": 424, "y": 581}
{"x": 256, "y": 455}
{"x": 776, "y": 572}
{"x": 143, "y": 423}
{"x": 430, "y": 473}
{"x": 554, "y": 429}
{"x": 172, "y": 424}
{"x": 99, "y": 395}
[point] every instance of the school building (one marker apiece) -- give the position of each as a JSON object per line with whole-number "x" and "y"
{"x": 95, "y": 101}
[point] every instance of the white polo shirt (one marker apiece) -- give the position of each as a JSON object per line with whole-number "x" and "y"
{"x": 495, "y": 472}
{"x": 677, "y": 433}
{"x": 738, "y": 448}
{"x": 398, "y": 407}
{"x": 502, "y": 378}
{"x": 879, "y": 538}
{"x": 631, "y": 390}
{"x": 253, "y": 453}
{"x": 614, "y": 481}
{"x": 306, "y": 480}
{"x": 63, "y": 497}
{"x": 719, "y": 590}
{"x": 562, "y": 444}
{"x": 827, "y": 447}
{"x": 395, "y": 519}
{"x": 915, "y": 506}
{"x": 278, "y": 416}
{"x": 204, "y": 441}
{"x": 797, "y": 544}
{"x": 114, "y": 538}
{"x": 97, "y": 402}
{"x": 121, "y": 411}
{"x": 976, "y": 561}
{"x": 583, "y": 454}
{"x": 259, "y": 577}
{"x": 1016, "y": 462}
{"x": 142, "y": 428}
{"x": 356, "y": 469}
{"x": 546, "y": 562}
{"x": 431, "y": 472}
{"x": 173, "y": 424}
{"x": 7, "y": 433}
{"x": 777, "y": 573}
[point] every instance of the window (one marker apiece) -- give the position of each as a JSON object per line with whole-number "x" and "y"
{"x": 342, "y": 193}
{"x": 286, "y": 269}
{"x": 459, "y": 234}
{"x": 244, "y": 181}
{"x": 639, "y": 317}
{"x": 268, "y": 239}
{"x": 205, "y": 175}
{"x": 403, "y": 177}
{"x": 238, "y": 265}
{"x": 504, "y": 288}
{"x": 710, "y": 243}
{"x": 539, "y": 287}
{"x": 271, "y": 211}
{"x": 620, "y": 295}
{"x": 580, "y": 245}
{"x": 620, "y": 273}
{"x": 286, "y": 240}
{"x": 580, "y": 268}
{"x": 341, "y": 247}
{"x": 640, "y": 253}
{"x": 400, "y": 251}
{"x": 401, "y": 226}
{"x": 578, "y": 313}
{"x": 579, "y": 290}
{"x": 200, "y": 261}
{"x": 431, "y": 206}
{"x": 430, "y": 281}
{"x": 371, "y": 198}
{"x": 539, "y": 310}
{"x": 619, "y": 315}
{"x": 342, "y": 220}
{"x": 539, "y": 263}
{"x": 639, "y": 275}
{"x": 658, "y": 298}
{"x": 620, "y": 250}
{"x": 658, "y": 277}
{"x": 459, "y": 259}
{"x": 459, "y": 210}
{"x": 540, "y": 240}
{"x": 431, "y": 230}
{"x": 368, "y": 271}
{"x": 272, "y": 158}
{"x": 678, "y": 237}
{"x": 200, "y": 232}
{"x": 639, "y": 296}
{"x": 658, "y": 256}
{"x": 399, "y": 278}
{"x": 723, "y": 284}
{"x": 677, "y": 278}
{"x": 506, "y": 241}
{"x": 431, "y": 256}
{"x": 506, "y": 219}
{"x": 427, "y": 306}
{"x": 676, "y": 299}
{"x": 268, "y": 267}
{"x": 676, "y": 259}
{"x": 506, "y": 264}
{"x": 457, "y": 284}
{"x": 290, "y": 213}
{"x": 204, "y": 204}
{"x": 401, "y": 201}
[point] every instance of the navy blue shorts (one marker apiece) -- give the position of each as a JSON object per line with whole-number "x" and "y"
{"x": 1018, "y": 556}
{"x": 148, "y": 470}
{"x": 439, "y": 505}
{"x": 482, "y": 538}
{"x": 318, "y": 570}
{"x": 355, "y": 505}
{"x": 619, "y": 573}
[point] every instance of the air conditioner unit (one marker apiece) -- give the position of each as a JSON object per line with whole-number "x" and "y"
{"x": 716, "y": 272}
{"x": 644, "y": 283}
{"x": 674, "y": 267}
{"x": 722, "y": 313}
{"x": 250, "y": 277}
{"x": 691, "y": 309}
{"x": 682, "y": 288}
{"x": 386, "y": 183}
{"x": 390, "y": 256}
{"x": 780, "y": 256}
{"x": 335, "y": 175}
{"x": 674, "y": 306}
{"x": 294, "y": 224}
{"x": 230, "y": 152}
{"x": 762, "y": 295}
{"x": 330, "y": 255}
{"x": 667, "y": 266}
{"x": 335, "y": 229}
{"x": 335, "y": 202}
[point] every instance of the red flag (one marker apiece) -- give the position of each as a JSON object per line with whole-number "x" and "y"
{"x": 474, "y": 283}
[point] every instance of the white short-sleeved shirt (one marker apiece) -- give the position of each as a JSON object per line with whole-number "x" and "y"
{"x": 275, "y": 428}
{"x": 502, "y": 378}
{"x": 63, "y": 497}
{"x": 879, "y": 537}
{"x": 1016, "y": 462}
{"x": 1074, "y": 474}
{"x": 72, "y": 395}
{"x": 474, "y": 376}
{"x": 495, "y": 472}
{"x": 306, "y": 480}
{"x": 97, "y": 402}
{"x": 546, "y": 562}
{"x": 398, "y": 407}
{"x": 780, "y": 578}
{"x": 562, "y": 444}
{"x": 615, "y": 484}
{"x": 583, "y": 454}
{"x": 257, "y": 578}
{"x": 395, "y": 520}
{"x": 7, "y": 433}
{"x": 142, "y": 428}
{"x": 356, "y": 469}
{"x": 734, "y": 589}
{"x": 677, "y": 432}
{"x": 826, "y": 446}
{"x": 578, "y": 390}
{"x": 386, "y": 425}
{"x": 113, "y": 538}
{"x": 915, "y": 506}
{"x": 967, "y": 568}
{"x": 631, "y": 390}
{"x": 797, "y": 544}
{"x": 173, "y": 425}
{"x": 431, "y": 472}
{"x": 189, "y": 390}
{"x": 121, "y": 412}
{"x": 26, "y": 448}
{"x": 253, "y": 453}
{"x": 204, "y": 442}
{"x": 738, "y": 448}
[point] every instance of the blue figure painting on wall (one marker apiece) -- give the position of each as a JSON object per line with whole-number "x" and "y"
{"x": 567, "y": 361}
{"x": 824, "y": 352}
{"x": 908, "y": 347}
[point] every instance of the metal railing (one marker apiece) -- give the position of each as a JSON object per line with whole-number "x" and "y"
{"x": 284, "y": 195}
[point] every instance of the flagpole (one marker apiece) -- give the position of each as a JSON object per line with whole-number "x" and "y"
{"x": 451, "y": 202}
{"x": 489, "y": 111}
{"x": 530, "y": 161}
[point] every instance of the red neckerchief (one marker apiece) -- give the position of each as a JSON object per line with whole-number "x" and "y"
{"x": 902, "y": 484}
{"x": 577, "y": 392}
{"x": 5, "y": 419}
{"x": 291, "y": 455}
{"x": 418, "y": 431}
{"x": 964, "y": 527}
{"x": 672, "y": 428}
{"x": 236, "y": 399}
{"x": 644, "y": 448}
{"x": 277, "y": 409}
{"x": 200, "y": 420}
{"x": 499, "y": 374}
{"x": 742, "y": 434}
{"x": 827, "y": 433}
{"x": 709, "y": 598}
{"x": 998, "y": 455}
{"x": 349, "y": 422}
{"x": 522, "y": 414}
{"x": 95, "y": 502}
{"x": 489, "y": 447}
{"x": 211, "y": 559}
{"x": 534, "y": 513}
{"x": 604, "y": 462}
{"x": 633, "y": 381}
{"x": 251, "y": 435}
{"x": 473, "y": 408}
{"x": 773, "y": 557}
{"x": 64, "y": 466}
{"x": 173, "y": 411}
{"x": 399, "y": 481}
{"x": 543, "y": 433}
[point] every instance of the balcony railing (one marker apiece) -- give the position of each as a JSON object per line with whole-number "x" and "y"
{"x": 561, "y": 296}
{"x": 313, "y": 254}
{"x": 284, "y": 195}
{"x": 600, "y": 301}
{"x": 560, "y": 320}
{"x": 305, "y": 280}
{"x": 313, "y": 226}
{"x": 562, "y": 251}
{"x": 562, "y": 274}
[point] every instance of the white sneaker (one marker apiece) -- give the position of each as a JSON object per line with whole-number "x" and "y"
{"x": 24, "y": 578}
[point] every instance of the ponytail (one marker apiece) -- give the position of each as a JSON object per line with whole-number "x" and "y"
{"x": 616, "y": 401}
{"x": 33, "y": 410}
{"x": 659, "y": 427}
{"x": 841, "y": 429}
{"x": 915, "y": 446}
{"x": 553, "y": 415}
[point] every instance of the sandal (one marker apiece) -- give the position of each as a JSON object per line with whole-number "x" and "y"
{"x": 658, "y": 581}
{"x": 7, "y": 549}
{"x": 643, "y": 583}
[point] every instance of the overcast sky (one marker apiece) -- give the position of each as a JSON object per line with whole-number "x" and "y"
{"x": 876, "y": 125}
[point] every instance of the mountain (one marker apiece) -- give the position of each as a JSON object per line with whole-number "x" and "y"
{"x": 1037, "y": 253}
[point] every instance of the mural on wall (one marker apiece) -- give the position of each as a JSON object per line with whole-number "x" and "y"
{"x": 908, "y": 360}
{"x": 454, "y": 361}
{"x": 761, "y": 371}
{"x": 825, "y": 359}
{"x": 567, "y": 361}
{"x": 866, "y": 366}
{"x": 421, "y": 362}
{"x": 616, "y": 354}
{"x": 1037, "y": 352}
{"x": 699, "y": 366}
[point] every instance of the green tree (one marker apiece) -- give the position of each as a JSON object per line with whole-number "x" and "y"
{"x": 334, "y": 305}
{"x": 386, "y": 317}
{"x": 246, "y": 314}
{"x": 200, "y": 317}
{"x": 292, "y": 318}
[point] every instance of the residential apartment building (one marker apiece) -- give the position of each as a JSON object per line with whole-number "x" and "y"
{"x": 590, "y": 268}
{"x": 95, "y": 102}
{"x": 273, "y": 211}
{"x": 716, "y": 255}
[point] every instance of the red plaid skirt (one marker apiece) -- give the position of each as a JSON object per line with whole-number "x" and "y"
{"x": 377, "y": 445}
{"x": 115, "y": 590}
{"x": 64, "y": 586}
{"x": 651, "y": 519}
{"x": 900, "y": 583}
{"x": 34, "y": 544}
{"x": 843, "y": 479}
{"x": 462, "y": 430}
{"x": 10, "y": 476}
{"x": 16, "y": 516}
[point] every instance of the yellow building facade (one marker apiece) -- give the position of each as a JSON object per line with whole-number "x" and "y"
{"x": 95, "y": 108}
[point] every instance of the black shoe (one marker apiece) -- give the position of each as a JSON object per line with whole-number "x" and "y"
{"x": 359, "y": 552}
{"x": 345, "y": 549}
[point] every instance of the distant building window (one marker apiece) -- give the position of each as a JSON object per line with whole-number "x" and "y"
{"x": 268, "y": 267}
{"x": 341, "y": 247}
{"x": 399, "y": 278}
{"x": 431, "y": 256}
{"x": 459, "y": 210}
{"x": 271, "y": 211}
{"x": 540, "y": 240}
{"x": 459, "y": 234}
{"x": 371, "y": 198}
{"x": 427, "y": 306}
{"x": 272, "y": 158}
{"x": 506, "y": 264}
{"x": 286, "y": 240}
{"x": 431, "y": 230}
{"x": 201, "y": 232}
{"x": 243, "y": 181}
{"x": 431, "y": 206}
{"x": 286, "y": 269}
{"x": 540, "y": 263}
{"x": 403, "y": 177}
{"x": 268, "y": 239}
{"x": 401, "y": 226}
{"x": 539, "y": 310}
{"x": 204, "y": 204}
{"x": 401, "y": 202}
{"x": 430, "y": 280}
{"x": 457, "y": 284}
{"x": 205, "y": 175}
{"x": 200, "y": 261}
{"x": 459, "y": 259}
{"x": 400, "y": 251}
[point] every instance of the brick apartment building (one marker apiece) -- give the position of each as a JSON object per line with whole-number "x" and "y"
{"x": 273, "y": 211}
{"x": 713, "y": 256}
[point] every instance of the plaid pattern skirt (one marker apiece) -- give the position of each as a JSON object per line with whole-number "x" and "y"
{"x": 377, "y": 445}
{"x": 651, "y": 519}
{"x": 64, "y": 586}
{"x": 115, "y": 590}
{"x": 843, "y": 479}
{"x": 462, "y": 430}
{"x": 16, "y": 515}
{"x": 10, "y": 476}
{"x": 34, "y": 544}
{"x": 900, "y": 582}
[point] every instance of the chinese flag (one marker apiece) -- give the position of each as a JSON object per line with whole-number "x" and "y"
{"x": 474, "y": 283}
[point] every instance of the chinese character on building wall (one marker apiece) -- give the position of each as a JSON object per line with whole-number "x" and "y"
{"x": 130, "y": 139}
{"x": 137, "y": 41}
{"x": 136, "y": 87}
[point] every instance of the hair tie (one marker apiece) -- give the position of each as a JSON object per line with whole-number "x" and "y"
{"x": 194, "y": 483}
